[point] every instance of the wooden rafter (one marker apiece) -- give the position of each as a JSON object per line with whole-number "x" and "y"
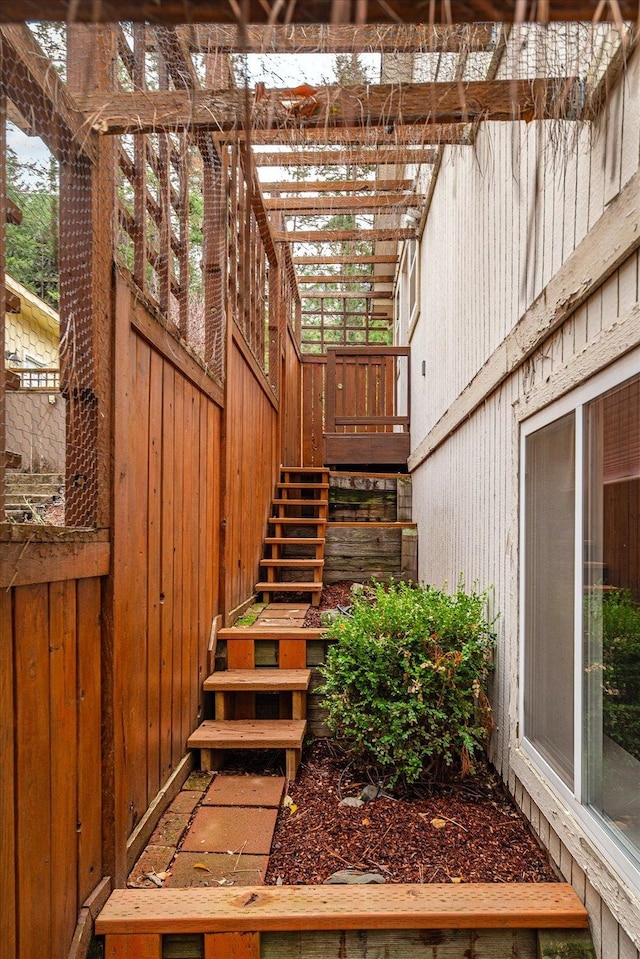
{"x": 311, "y": 11}
{"x": 335, "y": 186}
{"x": 348, "y": 295}
{"x": 386, "y": 202}
{"x": 341, "y": 236}
{"x": 338, "y": 38}
{"x": 377, "y": 278}
{"x": 331, "y": 106}
{"x": 380, "y": 157}
{"x": 343, "y": 259}
{"x": 29, "y": 80}
{"x": 398, "y": 134}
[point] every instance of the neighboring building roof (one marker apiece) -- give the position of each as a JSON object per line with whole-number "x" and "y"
{"x": 33, "y": 308}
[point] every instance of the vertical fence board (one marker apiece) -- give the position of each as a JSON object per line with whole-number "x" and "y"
{"x": 154, "y": 535}
{"x": 64, "y": 771}
{"x": 167, "y": 601}
{"x": 33, "y": 840}
{"x": 178, "y": 738}
{"x": 89, "y": 736}
{"x": 7, "y": 785}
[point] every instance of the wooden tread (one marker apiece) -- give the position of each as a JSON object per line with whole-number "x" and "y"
{"x": 285, "y": 908}
{"x": 305, "y": 633}
{"x": 294, "y": 540}
{"x": 248, "y": 734}
{"x": 299, "y": 520}
{"x": 303, "y": 485}
{"x": 258, "y": 680}
{"x": 299, "y": 502}
{"x": 288, "y": 587}
{"x": 293, "y": 563}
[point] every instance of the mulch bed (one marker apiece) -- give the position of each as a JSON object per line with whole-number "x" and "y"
{"x": 467, "y": 830}
{"x": 464, "y": 831}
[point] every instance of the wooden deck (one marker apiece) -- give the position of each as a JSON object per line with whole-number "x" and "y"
{"x": 283, "y": 908}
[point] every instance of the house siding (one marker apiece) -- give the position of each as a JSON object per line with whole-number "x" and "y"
{"x": 506, "y": 217}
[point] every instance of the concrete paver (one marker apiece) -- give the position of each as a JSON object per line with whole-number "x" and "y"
{"x": 169, "y": 830}
{"x": 231, "y": 828}
{"x": 154, "y": 859}
{"x": 187, "y": 870}
{"x": 265, "y": 791}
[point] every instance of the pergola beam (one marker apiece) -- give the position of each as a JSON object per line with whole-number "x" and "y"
{"x": 347, "y": 295}
{"x": 311, "y": 11}
{"x": 335, "y": 186}
{"x": 343, "y": 259}
{"x": 381, "y": 104}
{"x": 340, "y": 38}
{"x": 416, "y": 134}
{"x": 326, "y": 278}
{"x": 29, "y": 80}
{"x": 342, "y": 236}
{"x": 382, "y": 157}
{"x": 385, "y": 203}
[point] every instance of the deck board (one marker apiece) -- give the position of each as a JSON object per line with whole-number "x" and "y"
{"x": 267, "y": 908}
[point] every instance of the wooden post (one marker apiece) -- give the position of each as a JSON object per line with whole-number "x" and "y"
{"x": 86, "y": 209}
{"x": 3, "y": 246}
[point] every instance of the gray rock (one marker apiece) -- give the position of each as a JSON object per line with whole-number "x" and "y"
{"x": 351, "y": 801}
{"x": 352, "y": 877}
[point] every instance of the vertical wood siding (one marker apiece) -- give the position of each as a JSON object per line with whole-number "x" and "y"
{"x": 291, "y": 397}
{"x": 166, "y": 563}
{"x": 505, "y": 216}
{"x": 50, "y": 742}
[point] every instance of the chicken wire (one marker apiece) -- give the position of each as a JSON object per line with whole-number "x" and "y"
{"x": 188, "y": 229}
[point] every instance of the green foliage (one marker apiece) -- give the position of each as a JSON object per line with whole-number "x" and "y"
{"x": 32, "y": 247}
{"x": 403, "y": 684}
{"x": 621, "y": 673}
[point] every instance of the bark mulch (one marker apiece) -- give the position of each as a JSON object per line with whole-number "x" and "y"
{"x": 463, "y": 831}
{"x": 467, "y": 830}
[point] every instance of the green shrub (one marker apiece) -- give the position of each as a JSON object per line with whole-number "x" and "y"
{"x": 621, "y": 677}
{"x": 403, "y": 684}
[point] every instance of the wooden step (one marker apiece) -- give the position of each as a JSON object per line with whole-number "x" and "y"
{"x": 306, "y": 470}
{"x": 227, "y": 683}
{"x": 294, "y": 540}
{"x": 515, "y": 905}
{"x": 213, "y": 736}
{"x": 277, "y": 633}
{"x": 288, "y": 587}
{"x": 258, "y": 680}
{"x": 309, "y": 486}
{"x": 300, "y": 502}
{"x": 299, "y": 520}
{"x": 293, "y": 563}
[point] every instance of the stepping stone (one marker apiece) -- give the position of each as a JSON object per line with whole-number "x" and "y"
{"x": 232, "y": 828}
{"x": 236, "y": 870}
{"x": 185, "y": 802}
{"x": 153, "y": 859}
{"x": 265, "y": 791}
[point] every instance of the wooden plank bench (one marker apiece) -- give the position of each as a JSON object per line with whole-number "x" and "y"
{"x": 213, "y": 736}
{"x": 286, "y": 908}
{"x": 229, "y": 681}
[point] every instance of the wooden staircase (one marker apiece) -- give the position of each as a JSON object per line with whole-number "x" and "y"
{"x": 235, "y": 725}
{"x": 295, "y": 550}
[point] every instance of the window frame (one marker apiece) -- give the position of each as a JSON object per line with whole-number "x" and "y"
{"x": 626, "y": 863}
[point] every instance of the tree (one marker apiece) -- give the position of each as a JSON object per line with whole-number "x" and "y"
{"x": 32, "y": 246}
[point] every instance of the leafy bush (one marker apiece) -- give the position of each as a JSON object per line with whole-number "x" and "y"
{"x": 621, "y": 678}
{"x": 403, "y": 684}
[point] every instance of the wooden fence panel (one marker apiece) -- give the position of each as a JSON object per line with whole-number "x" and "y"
{"x": 313, "y": 378}
{"x": 252, "y": 455}
{"x": 50, "y": 797}
{"x": 166, "y": 546}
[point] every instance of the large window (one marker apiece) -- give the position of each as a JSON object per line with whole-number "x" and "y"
{"x": 581, "y": 604}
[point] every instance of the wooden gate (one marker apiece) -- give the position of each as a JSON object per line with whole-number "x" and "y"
{"x": 367, "y": 406}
